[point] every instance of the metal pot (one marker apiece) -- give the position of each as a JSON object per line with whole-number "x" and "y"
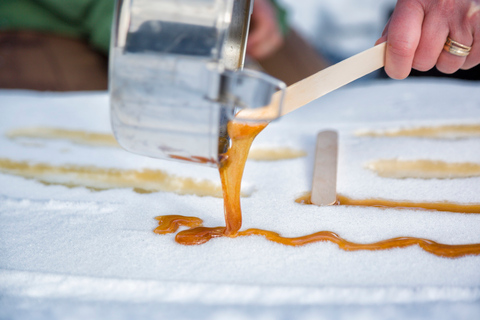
{"x": 176, "y": 76}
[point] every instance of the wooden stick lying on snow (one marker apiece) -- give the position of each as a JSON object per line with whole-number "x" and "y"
{"x": 321, "y": 83}
{"x": 324, "y": 184}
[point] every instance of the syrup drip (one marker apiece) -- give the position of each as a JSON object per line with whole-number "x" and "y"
{"x": 231, "y": 171}
{"x": 199, "y": 234}
{"x": 194, "y": 159}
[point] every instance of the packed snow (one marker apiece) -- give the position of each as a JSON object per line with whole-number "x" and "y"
{"x": 76, "y": 245}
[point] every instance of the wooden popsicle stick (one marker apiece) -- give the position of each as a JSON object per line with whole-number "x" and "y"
{"x": 321, "y": 83}
{"x": 324, "y": 184}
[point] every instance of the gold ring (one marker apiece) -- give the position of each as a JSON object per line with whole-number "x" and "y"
{"x": 456, "y": 48}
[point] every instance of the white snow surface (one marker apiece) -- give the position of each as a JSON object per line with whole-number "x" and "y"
{"x": 65, "y": 249}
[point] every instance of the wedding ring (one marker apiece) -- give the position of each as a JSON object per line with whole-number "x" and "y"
{"x": 456, "y": 48}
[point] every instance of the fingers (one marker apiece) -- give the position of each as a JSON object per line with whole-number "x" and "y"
{"x": 265, "y": 36}
{"x": 473, "y": 20}
{"x": 259, "y": 32}
{"x": 458, "y": 31}
{"x": 449, "y": 63}
{"x": 264, "y": 41}
{"x": 403, "y": 37}
{"x": 434, "y": 32}
{"x": 418, "y": 29}
{"x": 473, "y": 58}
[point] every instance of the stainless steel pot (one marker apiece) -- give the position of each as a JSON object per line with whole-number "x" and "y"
{"x": 176, "y": 76}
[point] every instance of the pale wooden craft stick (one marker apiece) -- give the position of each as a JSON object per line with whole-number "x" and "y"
{"x": 321, "y": 83}
{"x": 324, "y": 184}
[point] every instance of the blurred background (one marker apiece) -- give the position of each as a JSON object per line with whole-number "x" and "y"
{"x": 58, "y": 45}
{"x": 339, "y": 29}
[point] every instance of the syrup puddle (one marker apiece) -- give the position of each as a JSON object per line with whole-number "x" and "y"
{"x": 463, "y": 131}
{"x": 423, "y": 169}
{"x": 95, "y": 178}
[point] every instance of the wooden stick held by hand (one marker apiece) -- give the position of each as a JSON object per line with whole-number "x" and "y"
{"x": 321, "y": 83}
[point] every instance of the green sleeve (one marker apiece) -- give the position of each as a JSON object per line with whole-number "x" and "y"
{"x": 87, "y": 19}
{"x": 282, "y": 17}
{"x": 98, "y": 24}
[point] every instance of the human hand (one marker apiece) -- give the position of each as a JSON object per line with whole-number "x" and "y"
{"x": 265, "y": 36}
{"x": 418, "y": 29}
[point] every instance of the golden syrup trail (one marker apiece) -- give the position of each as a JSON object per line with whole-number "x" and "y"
{"x": 197, "y": 234}
{"x": 77, "y": 136}
{"x": 461, "y": 131}
{"x": 95, "y": 178}
{"x": 423, "y": 169}
{"x": 275, "y": 154}
{"x": 383, "y": 203}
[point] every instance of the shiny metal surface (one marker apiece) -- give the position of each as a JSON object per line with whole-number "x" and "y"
{"x": 236, "y": 39}
{"x": 175, "y": 78}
